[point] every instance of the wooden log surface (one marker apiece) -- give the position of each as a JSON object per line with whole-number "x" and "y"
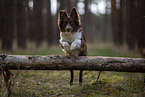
{"x": 58, "y": 62}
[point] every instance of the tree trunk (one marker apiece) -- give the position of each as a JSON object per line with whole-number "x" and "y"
{"x": 67, "y": 5}
{"x": 37, "y": 22}
{"x": 117, "y": 22}
{"x": 1, "y": 20}
{"x": 120, "y": 24}
{"x": 8, "y": 24}
{"x": 49, "y": 24}
{"x": 29, "y": 21}
{"x": 131, "y": 24}
{"x": 21, "y": 23}
{"x": 141, "y": 24}
{"x": 55, "y": 62}
{"x": 113, "y": 13}
{"x": 123, "y": 6}
{"x": 86, "y": 22}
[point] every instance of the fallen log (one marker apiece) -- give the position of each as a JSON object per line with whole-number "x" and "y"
{"x": 58, "y": 62}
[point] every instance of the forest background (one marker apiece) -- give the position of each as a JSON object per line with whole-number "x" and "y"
{"x": 111, "y": 27}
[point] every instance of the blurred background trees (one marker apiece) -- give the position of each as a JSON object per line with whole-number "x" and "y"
{"x": 25, "y": 23}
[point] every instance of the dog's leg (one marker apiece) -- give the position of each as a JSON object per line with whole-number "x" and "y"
{"x": 71, "y": 77}
{"x": 80, "y": 77}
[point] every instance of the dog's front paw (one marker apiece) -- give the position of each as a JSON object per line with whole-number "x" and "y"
{"x": 76, "y": 44}
{"x": 66, "y": 46}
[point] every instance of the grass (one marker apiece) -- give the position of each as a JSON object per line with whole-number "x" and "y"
{"x": 56, "y": 83}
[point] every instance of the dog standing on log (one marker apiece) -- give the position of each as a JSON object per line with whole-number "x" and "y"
{"x": 72, "y": 40}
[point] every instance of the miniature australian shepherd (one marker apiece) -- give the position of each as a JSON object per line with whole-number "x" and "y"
{"x": 72, "y": 40}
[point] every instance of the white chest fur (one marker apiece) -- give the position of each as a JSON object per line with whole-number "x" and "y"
{"x": 70, "y": 41}
{"x": 70, "y": 37}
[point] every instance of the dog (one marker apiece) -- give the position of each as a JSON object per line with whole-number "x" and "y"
{"x": 72, "y": 40}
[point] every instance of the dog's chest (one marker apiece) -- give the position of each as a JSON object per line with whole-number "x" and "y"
{"x": 70, "y": 37}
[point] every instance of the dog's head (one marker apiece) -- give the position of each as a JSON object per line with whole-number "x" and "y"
{"x": 69, "y": 23}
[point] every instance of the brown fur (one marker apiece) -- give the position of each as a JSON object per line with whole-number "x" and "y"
{"x": 142, "y": 52}
{"x": 71, "y": 23}
{"x": 71, "y": 19}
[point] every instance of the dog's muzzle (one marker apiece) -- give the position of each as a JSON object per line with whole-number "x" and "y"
{"x": 68, "y": 28}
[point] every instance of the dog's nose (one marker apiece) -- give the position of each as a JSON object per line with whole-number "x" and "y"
{"x": 68, "y": 29}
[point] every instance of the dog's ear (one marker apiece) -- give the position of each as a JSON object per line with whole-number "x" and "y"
{"x": 62, "y": 14}
{"x": 74, "y": 14}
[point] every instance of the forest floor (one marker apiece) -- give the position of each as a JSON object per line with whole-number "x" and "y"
{"x": 36, "y": 83}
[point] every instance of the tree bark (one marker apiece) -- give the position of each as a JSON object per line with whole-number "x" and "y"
{"x": 55, "y": 62}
